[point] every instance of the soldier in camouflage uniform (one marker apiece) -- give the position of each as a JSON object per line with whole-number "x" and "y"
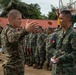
{"x": 40, "y": 50}
{"x": 26, "y": 39}
{"x": 33, "y": 40}
{"x": 1, "y": 28}
{"x": 64, "y": 60}
{"x": 11, "y": 39}
{"x": 28, "y": 48}
{"x": 51, "y": 47}
{"x": 47, "y": 62}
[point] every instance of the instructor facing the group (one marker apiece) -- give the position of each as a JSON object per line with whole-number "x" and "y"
{"x": 11, "y": 38}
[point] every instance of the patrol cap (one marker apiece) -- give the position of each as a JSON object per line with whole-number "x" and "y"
{"x": 57, "y": 29}
{"x": 1, "y": 27}
{"x": 39, "y": 27}
{"x": 48, "y": 28}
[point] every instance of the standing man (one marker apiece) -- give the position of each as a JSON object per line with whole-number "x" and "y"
{"x": 40, "y": 49}
{"x": 11, "y": 38}
{"x": 33, "y": 41}
{"x": 1, "y": 28}
{"x": 65, "y": 57}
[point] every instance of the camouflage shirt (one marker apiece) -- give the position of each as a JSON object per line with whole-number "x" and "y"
{"x": 40, "y": 41}
{"x": 66, "y": 51}
{"x": 51, "y": 43}
{"x": 11, "y": 39}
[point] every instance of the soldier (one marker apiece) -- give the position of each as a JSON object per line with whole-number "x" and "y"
{"x": 26, "y": 40}
{"x": 11, "y": 39}
{"x": 47, "y": 62}
{"x": 40, "y": 50}
{"x": 33, "y": 40}
{"x": 1, "y": 28}
{"x": 64, "y": 59}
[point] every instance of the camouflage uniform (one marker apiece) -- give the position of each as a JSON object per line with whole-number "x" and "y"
{"x": 40, "y": 50}
{"x": 33, "y": 40}
{"x": 0, "y": 34}
{"x": 11, "y": 41}
{"x": 50, "y": 47}
{"x": 66, "y": 52}
{"x": 25, "y": 48}
{"x": 0, "y": 40}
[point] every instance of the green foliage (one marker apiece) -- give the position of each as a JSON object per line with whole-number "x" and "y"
{"x": 52, "y": 16}
{"x": 44, "y": 17}
{"x": 31, "y": 11}
{"x": 28, "y": 11}
{"x": 36, "y": 9}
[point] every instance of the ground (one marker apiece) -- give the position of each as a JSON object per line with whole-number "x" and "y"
{"x": 28, "y": 70}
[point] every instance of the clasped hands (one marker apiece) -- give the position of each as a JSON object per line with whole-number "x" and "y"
{"x": 54, "y": 59}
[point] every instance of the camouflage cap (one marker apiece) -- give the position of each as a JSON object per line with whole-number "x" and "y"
{"x": 57, "y": 29}
{"x": 39, "y": 27}
{"x": 48, "y": 28}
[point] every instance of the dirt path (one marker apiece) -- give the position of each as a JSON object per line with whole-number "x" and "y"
{"x": 28, "y": 70}
{"x": 31, "y": 71}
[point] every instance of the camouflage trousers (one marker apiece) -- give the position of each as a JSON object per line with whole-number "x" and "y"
{"x": 48, "y": 57}
{"x": 59, "y": 70}
{"x": 32, "y": 55}
{"x": 10, "y": 71}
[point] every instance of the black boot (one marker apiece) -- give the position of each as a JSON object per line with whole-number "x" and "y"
{"x": 31, "y": 64}
{"x": 40, "y": 66}
{"x": 35, "y": 65}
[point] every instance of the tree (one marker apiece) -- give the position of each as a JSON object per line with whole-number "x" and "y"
{"x": 52, "y": 15}
{"x": 44, "y": 17}
{"x": 28, "y": 11}
{"x": 5, "y": 5}
{"x": 36, "y": 9}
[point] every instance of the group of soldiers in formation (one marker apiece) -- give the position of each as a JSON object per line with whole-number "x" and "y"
{"x": 38, "y": 47}
{"x": 52, "y": 49}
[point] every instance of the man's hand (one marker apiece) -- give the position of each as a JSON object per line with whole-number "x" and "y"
{"x": 54, "y": 59}
{"x": 57, "y": 60}
{"x": 30, "y": 26}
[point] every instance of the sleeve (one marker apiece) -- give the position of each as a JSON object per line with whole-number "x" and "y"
{"x": 50, "y": 47}
{"x": 41, "y": 41}
{"x": 14, "y": 36}
{"x": 70, "y": 57}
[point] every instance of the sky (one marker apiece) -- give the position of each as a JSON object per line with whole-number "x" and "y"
{"x": 46, "y": 4}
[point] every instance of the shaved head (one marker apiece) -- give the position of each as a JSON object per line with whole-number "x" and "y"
{"x": 15, "y": 18}
{"x": 14, "y": 13}
{"x": 66, "y": 13}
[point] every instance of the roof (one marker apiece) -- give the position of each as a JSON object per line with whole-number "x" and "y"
{"x": 43, "y": 23}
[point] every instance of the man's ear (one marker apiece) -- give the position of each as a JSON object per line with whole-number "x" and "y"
{"x": 11, "y": 18}
{"x": 69, "y": 19}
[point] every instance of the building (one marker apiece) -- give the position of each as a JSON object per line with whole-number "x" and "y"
{"x": 43, "y": 23}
